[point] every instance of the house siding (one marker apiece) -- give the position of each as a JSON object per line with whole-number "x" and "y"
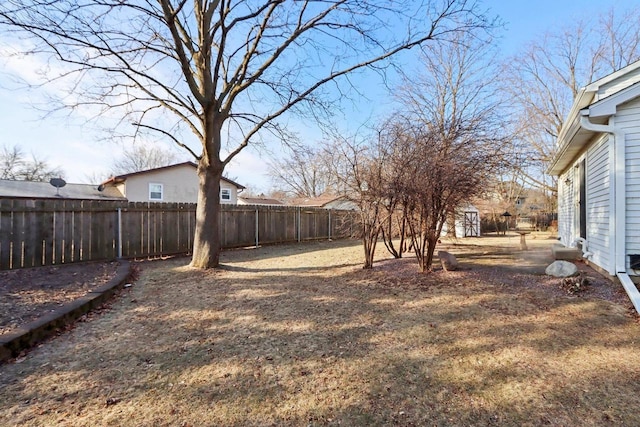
{"x": 618, "y": 84}
{"x": 179, "y": 184}
{"x": 628, "y": 119}
{"x": 599, "y": 202}
{"x": 566, "y": 207}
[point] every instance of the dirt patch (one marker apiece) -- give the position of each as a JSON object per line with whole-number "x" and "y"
{"x": 26, "y": 294}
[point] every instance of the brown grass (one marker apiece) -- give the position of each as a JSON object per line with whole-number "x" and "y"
{"x": 301, "y": 335}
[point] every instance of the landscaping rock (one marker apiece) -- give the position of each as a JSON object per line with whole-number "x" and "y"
{"x": 448, "y": 261}
{"x": 561, "y": 269}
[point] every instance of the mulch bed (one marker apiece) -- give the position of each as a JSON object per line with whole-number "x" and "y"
{"x": 27, "y": 294}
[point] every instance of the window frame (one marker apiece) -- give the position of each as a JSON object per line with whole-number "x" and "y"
{"x": 222, "y": 192}
{"x": 152, "y": 199}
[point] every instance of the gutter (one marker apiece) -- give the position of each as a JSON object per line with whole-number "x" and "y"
{"x": 617, "y": 221}
{"x": 631, "y": 289}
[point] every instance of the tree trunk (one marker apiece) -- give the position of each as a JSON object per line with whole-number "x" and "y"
{"x": 431, "y": 248}
{"x": 369, "y": 240}
{"x": 206, "y": 242}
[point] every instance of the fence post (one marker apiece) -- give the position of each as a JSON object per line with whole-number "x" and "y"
{"x": 329, "y": 224}
{"x": 257, "y": 225}
{"x": 299, "y": 225}
{"x": 119, "y": 233}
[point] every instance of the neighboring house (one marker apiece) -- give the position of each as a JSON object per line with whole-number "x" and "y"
{"x": 10, "y": 189}
{"x": 262, "y": 201}
{"x": 174, "y": 183}
{"x": 325, "y": 201}
{"x": 598, "y": 165}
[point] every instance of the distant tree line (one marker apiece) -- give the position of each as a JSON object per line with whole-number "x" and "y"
{"x": 15, "y": 164}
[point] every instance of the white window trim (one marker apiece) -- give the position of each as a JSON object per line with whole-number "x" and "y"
{"x": 222, "y": 191}
{"x": 161, "y": 192}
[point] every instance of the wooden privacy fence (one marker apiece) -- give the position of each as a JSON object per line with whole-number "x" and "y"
{"x": 49, "y": 232}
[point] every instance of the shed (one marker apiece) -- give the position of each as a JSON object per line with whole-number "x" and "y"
{"x": 468, "y": 222}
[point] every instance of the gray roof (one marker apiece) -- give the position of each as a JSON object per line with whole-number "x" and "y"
{"x": 121, "y": 178}
{"x": 44, "y": 190}
{"x": 259, "y": 201}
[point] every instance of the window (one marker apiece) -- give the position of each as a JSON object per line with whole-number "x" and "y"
{"x": 155, "y": 192}
{"x": 225, "y": 194}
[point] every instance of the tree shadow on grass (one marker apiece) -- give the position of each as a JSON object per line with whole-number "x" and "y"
{"x": 251, "y": 347}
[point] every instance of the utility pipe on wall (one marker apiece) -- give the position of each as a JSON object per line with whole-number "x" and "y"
{"x": 617, "y": 221}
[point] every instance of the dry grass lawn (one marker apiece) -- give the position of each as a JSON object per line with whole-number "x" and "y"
{"x": 300, "y": 335}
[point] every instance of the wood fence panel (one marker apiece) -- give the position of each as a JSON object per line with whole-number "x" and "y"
{"x": 184, "y": 229}
{"x": 58, "y": 232}
{"x": 132, "y": 231}
{"x": 82, "y": 231}
{"x": 342, "y": 223}
{"x": 77, "y": 231}
{"x": 237, "y": 226}
{"x": 144, "y": 228}
{"x": 45, "y": 232}
{"x": 277, "y": 224}
{"x": 268, "y": 230}
{"x": 20, "y": 233}
{"x": 27, "y": 240}
{"x": 307, "y": 224}
{"x": 189, "y": 214}
{"x": 155, "y": 219}
{"x": 95, "y": 226}
{"x": 66, "y": 230}
{"x": 103, "y": 230}
{"x": 6, "y": 234}
{"x": 167, "y": 233}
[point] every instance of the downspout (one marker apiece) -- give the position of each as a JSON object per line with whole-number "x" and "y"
{"x": 583, "y": 247}
{"x": 617, "y": 221}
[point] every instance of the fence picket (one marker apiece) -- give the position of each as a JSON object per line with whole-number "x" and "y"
{"x": 45, "y": 232}
{"x": 6, "y": 234}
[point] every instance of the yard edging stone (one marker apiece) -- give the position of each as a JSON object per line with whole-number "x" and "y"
{"x": 12, "y": 343}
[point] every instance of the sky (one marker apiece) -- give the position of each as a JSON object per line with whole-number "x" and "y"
{"x": 83, "y": 153}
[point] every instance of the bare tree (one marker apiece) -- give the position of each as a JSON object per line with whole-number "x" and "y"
{"x": 303, "y": 173}
{"x": 226, "y": 70}
{"x": 360, "y": 169}
{"x": 544, "y": 79}
{"x": 453, "y": 127}
{"x": 141, "y": 157}
{"x": 16, "y": 165}
{"x": 395, "y": 146}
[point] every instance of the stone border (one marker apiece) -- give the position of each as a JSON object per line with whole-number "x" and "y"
{"x": 12, "y": 343}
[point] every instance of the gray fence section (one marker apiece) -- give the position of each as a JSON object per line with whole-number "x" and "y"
{"x": 49, "y": 232}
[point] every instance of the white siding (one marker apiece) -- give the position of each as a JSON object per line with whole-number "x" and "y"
{"x": 618, "y": 84}
{"x": 628, "y": 118}
{"x": 566, "y": 208}
{"x": 598, "y": 202}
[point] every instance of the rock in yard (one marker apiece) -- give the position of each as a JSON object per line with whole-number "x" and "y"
{"x": 448, "y": 261}
{"x": 561, "y": 269}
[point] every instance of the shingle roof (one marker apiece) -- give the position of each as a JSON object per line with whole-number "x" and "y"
{"x": 319, "y": 201}
{"x": 44, "y": 190}
{"x": 259, "y": 201}
{"x": 120, "y": 178}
